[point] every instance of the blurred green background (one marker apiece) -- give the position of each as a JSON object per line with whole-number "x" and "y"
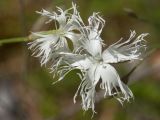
{"x": 26, "y": 90}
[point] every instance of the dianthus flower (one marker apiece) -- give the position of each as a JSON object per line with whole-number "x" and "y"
{"x": 87, "y": 54}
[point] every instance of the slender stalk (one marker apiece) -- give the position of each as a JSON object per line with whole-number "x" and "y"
{"x": 24, "y": 39}
{"x": 13, "y": 40}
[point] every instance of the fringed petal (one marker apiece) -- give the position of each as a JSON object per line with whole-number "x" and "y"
{"x": 83, "y": 64}
{"x": 60, "y": 18}
{"x": 87, "y": 92}
{"x": 94, "y": 73}
{"x": 96, "y": 24}
{"x": 93, "y": 47}
{"x": 42, "y": 48}
{"x": 47, "y": 45}
{"x": 131, "y": 49}
{"x": 92, "y": 41}
{"x": 112, "y": 84}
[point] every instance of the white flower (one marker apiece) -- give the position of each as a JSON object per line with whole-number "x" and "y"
{"x": 47, "y": 45}
{"x": 97, "y": 66}
{"x": 86, "y": 54}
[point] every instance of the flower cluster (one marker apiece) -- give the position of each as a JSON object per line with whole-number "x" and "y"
{"x": 74, "y": 45}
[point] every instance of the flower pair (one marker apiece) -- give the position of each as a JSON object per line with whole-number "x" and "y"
{"x": 74, "y": 45}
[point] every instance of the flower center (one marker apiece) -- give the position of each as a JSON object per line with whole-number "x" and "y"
{"x": 100, "y": 62}
{"x": 60, "y": 32}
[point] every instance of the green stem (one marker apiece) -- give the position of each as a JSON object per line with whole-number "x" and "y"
{"x": 24, "y": 39}
{"x": 13, "y": 40}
